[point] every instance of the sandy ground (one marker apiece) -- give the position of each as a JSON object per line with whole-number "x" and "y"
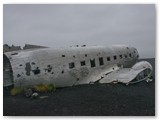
{"x": 87, "y": 100}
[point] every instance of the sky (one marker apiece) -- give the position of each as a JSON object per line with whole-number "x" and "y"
{"x": 54, "y": 25}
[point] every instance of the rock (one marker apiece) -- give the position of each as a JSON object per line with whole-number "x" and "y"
{"x": 35, "y": 95}
{"x": 28, "y": 92}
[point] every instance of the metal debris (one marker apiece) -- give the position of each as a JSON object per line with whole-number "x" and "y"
{"x": 35, "y": 95}
{"x": 43, "y": 97}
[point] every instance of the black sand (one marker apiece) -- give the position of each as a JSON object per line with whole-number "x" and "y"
{"x": 87, "y": 100}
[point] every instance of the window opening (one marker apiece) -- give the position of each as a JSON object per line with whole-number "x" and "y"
{"x": 101, "y": 61}
{"x": 83, "y": 63}
{"x": 93, "y": 64}
{"x": 71, "y": 65}
{"x": 108, "y": 58}
{"x": 115, "y": 57}
{"x": 120, "y": 56}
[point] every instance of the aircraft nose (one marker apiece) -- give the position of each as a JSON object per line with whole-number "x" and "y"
{"x": 136, "y": 53}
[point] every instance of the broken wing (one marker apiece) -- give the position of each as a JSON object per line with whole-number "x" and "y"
{"x": 139, "y": 72}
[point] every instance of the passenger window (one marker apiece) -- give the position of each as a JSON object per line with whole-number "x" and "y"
{"x": 115, "y": 57}
{"x": 71, "y": 65}
{"x": 93, "y": 64}
{"x": 125, "y": 56}
{"x": 101, "y": 61}
{"x": 63, "y": 55}
{"x": 120, "y": 56}
{"x": 130, "y": 55}
{"x": 83, "y": 63}
{"x": 108, "y": 58}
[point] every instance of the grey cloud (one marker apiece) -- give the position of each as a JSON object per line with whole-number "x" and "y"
{"x": 65, "y": 25}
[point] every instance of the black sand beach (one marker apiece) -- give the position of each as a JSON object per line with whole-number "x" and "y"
{"x": 87, "y": 100}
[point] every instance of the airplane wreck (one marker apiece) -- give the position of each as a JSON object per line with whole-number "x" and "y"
{"x": 74, "y": 66}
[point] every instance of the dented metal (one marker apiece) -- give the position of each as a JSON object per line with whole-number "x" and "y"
{"x": 74, "y": 66}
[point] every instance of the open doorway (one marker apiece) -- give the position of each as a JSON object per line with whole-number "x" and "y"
{"x": 7, "y": 72}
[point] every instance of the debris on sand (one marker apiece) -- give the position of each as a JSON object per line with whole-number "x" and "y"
{"x": 35, "y": 95}
{"x": 43, "y": 97}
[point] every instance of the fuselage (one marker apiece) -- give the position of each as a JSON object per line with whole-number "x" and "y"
{"x": 68, "y": 66}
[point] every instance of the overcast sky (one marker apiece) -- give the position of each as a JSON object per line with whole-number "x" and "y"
{"x": 66, "y": 25}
